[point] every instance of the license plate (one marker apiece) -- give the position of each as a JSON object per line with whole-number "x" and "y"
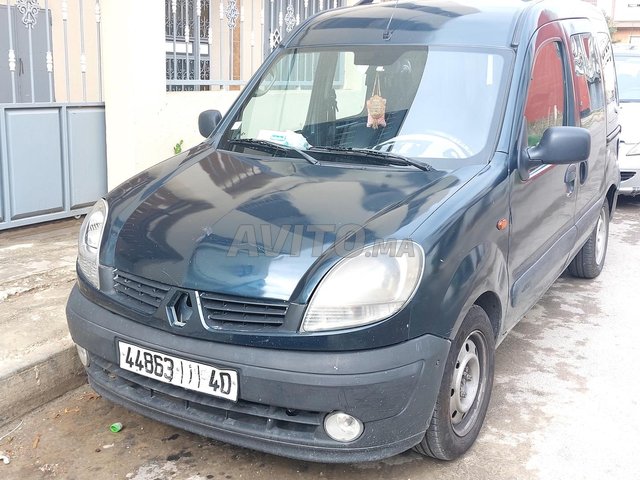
{"x": 178, "y": 371}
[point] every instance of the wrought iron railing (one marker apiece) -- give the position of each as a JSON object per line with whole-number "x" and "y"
{"x": 220, "y": 43}
{"x": 52, "y": 51}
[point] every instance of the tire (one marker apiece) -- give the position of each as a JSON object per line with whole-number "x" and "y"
{"x": 452, "y": 431}
{"x": 589, "y": 261}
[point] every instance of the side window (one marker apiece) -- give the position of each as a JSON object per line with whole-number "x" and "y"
{"x": 588, "y": 78}
{"x": 611, "y": 94}
{"x": 545, "y": 105}
{"x": 608, "y": 68}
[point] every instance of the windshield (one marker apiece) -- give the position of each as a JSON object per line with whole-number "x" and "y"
{"x": 435, "y": 103}
{"x": 628, "y": 69}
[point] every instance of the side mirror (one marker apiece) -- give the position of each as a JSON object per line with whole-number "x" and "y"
{"x": 558, "y": 146}
{"x": 208, "y": 121}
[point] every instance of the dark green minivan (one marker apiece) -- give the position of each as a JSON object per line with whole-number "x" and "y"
{"x": 327, "y": 276}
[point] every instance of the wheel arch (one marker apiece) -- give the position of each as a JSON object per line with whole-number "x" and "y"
{"x": 486, "y": 287}
{"x": 612, "y": 199}
{"x": 492, "y": 306}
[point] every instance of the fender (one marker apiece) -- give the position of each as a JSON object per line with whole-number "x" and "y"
{"x": 482, "y": 274}
{"x": 465, "y": 255}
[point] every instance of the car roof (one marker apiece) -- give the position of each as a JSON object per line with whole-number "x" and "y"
{"x": 498, "y": 23}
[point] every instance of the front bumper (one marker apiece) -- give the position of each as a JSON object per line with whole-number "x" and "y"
{"x": 629, "y": 173}
{"x": 283, "y": 395}
{"x": 631, "y": 185}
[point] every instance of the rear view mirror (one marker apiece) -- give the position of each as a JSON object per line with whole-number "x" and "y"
{"x": 558, "y": 146}
{"x": 208, "y": 121}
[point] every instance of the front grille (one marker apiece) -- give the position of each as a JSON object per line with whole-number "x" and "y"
{"x": 626, "y": 175}
{"x": 222, "y": 310}
{"x": 218, "y": 311}
{"x": 137, "y": 293}
{"x": 242, "y": 415}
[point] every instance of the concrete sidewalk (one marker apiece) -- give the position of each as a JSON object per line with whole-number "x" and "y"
{"x": 38, "y": 361}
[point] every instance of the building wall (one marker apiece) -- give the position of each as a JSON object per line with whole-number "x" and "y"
{"x": 143, "y": 120}
{"x": 627, "y": 35}
{"x": 626, "y": 11}
{"x": 626, "y": 18}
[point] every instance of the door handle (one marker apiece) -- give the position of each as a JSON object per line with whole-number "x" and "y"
{"x": 570, "y": 179}
{"x": 584, "y": 172}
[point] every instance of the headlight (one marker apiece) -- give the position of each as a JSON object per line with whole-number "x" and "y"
{"x": 89, "y": 242}
{"x": 365, "y": 288}
{"x": 635, "y": 150}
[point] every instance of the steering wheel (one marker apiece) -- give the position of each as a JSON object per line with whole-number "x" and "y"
{"x": 429, "y": 144}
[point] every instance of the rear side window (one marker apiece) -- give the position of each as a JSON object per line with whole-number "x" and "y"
{"x": 546, "y": 96}
{"x": 608, "y": 68}
{"x": 587, "y": 78}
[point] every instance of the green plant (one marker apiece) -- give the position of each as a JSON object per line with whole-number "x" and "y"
{"x": 177, "y": 148}
{"x": 610, "y": 23}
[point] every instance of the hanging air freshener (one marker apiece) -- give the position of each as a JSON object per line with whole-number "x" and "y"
{"x": 376, "y": 106}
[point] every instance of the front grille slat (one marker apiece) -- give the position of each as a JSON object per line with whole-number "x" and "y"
{"x": 244, "y": 309}
{"x": 142, "y": 289}
{"x": 246, "y": 301}
{"x": 140, "y": 280}
{"x": 137, "y": 293}
{"x": 239, "y": 318}
{"x": 225, "y": 311}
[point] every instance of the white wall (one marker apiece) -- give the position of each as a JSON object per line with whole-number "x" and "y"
{"x": 626, "y": 11}
{"x": 144, "y": 121}
{"x": 621, "y": 10}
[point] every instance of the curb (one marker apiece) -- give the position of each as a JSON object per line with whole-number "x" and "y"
{"x": 35, "y": 385}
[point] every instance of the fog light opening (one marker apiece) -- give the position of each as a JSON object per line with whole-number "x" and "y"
{"x": 343, "y": 427}
{"x": 84, "y": 355}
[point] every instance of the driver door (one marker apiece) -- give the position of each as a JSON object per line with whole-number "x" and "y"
{"x": 543, "y": 206}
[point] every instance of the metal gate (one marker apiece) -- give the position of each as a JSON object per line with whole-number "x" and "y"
{"x": 218, "y": 44}
{"x": 52, "y": 127}
{"x": 282, "y": 16}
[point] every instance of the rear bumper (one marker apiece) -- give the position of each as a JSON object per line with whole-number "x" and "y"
{"x": 283, "y": 395}
{"x": 629, "y": 190}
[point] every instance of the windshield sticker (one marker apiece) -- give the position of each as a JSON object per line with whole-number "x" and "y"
{"x": 288, "y": 138}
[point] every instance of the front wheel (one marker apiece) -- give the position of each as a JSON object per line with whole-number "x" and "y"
{"x": 589, "y": 261}
{"x": 465, "y": 390}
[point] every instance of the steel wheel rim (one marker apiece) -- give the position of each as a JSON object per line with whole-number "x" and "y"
{"x": 468, "y": 383}
{"x": 601, "y": 237}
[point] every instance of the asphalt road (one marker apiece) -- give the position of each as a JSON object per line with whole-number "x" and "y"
{"x": 565, "y": 405}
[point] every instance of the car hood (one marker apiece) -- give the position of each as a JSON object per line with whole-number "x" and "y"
{"x": 216, "y": 221}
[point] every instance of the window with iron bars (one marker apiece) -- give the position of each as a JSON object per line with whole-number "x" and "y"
{"x": 188, "y": 47}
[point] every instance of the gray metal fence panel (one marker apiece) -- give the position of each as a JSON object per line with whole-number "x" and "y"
{"x": 34, "y": 160}
{"x": 87, "y": 155}
{"x": 4, "y": 174}
{"x": 52, "y": 154}
{"x": 52, "y": 161}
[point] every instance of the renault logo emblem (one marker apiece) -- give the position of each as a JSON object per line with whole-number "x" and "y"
{"x": 180, "y": 309}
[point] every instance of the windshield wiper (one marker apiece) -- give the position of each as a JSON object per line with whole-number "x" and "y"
{"x": 391, "y": 158}
{"x": 273, "y": 147}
